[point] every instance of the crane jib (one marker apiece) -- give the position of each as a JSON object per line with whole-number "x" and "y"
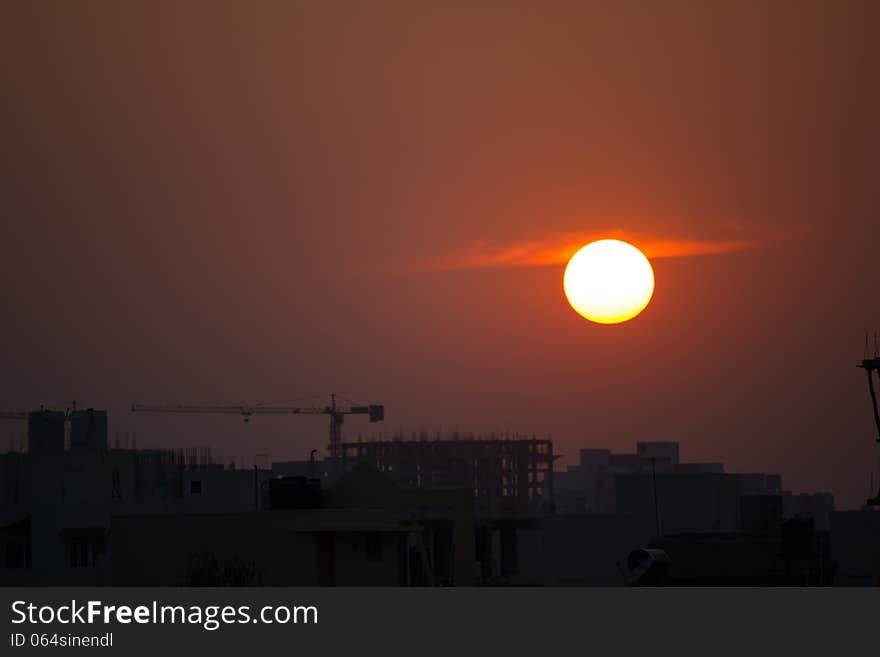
{"x": 375, "y": 412}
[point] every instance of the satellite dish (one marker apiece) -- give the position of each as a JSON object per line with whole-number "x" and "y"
{"x": 647, "y": 567}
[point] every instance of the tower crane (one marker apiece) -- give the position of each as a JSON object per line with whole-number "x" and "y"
{"x": 337, "y": 413}
{"x": 871, "y": 365}
{"x": 23, "y": 415}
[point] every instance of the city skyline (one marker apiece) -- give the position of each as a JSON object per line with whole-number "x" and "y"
{"x": 237, "y": 204}
{"x": 359, "y": 433}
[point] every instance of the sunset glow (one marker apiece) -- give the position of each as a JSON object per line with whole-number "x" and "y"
{"x": 608, "y": 281}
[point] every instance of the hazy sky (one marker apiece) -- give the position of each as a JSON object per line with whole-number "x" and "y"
{"x": 208, "y": 202}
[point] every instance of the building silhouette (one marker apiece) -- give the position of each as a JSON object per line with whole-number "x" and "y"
{"x": 409, "y": 511}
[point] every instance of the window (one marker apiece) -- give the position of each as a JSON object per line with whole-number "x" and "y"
{"x": 78, "y": 554}
{"x": 195, "y": 487}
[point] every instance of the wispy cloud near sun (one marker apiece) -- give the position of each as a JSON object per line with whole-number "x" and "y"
{"x": 557, "y": 249}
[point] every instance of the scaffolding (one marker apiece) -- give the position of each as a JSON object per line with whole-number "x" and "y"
{"x": 511, "y": 476}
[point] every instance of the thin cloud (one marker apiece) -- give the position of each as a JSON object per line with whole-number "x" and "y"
{"x": 558, "y": 249}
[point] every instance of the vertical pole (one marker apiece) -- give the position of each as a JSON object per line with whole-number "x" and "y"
{"x": 256, "y": 489}
{"x": 335, "y": 430}
{"x": 868, "y": 369}
{"x": 656, "y": 502}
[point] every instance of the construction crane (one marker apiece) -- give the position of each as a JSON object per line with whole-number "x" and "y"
{"x": 871, "y": 365}
{"x": 337, "y": 413}
{"x": 23, "y": 415}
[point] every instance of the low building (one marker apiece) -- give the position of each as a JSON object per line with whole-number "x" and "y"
{"x": 57, "y": 499}
{"x": 586, "y": 549}
{"x": 855, "y": 546}
{"x": 797, "y": 556}
{"x": 363, "y": 530}
{"x": 591, "y": 486}
{"x": 309, "y": 547}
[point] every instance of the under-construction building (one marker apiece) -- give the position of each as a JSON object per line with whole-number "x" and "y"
{"x": 511, "y": 476}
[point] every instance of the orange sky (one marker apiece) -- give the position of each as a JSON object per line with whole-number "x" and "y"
{"x": 219, "y": 202}
{"x": 557, "y": 249}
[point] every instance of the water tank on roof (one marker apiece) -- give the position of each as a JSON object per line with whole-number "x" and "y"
{"x": 46, "y": 431}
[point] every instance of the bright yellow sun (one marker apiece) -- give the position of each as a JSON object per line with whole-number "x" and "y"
{"x": 608, "y": 281}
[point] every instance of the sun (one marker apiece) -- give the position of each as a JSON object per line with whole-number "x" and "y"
{"x": 608, "y": 281}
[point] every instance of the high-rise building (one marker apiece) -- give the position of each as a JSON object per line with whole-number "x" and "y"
{"x": 45, "y": 431}
{"x": 88, "y": 429}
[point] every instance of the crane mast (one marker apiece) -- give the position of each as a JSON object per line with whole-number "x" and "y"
{"x": 871, "y": 365}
